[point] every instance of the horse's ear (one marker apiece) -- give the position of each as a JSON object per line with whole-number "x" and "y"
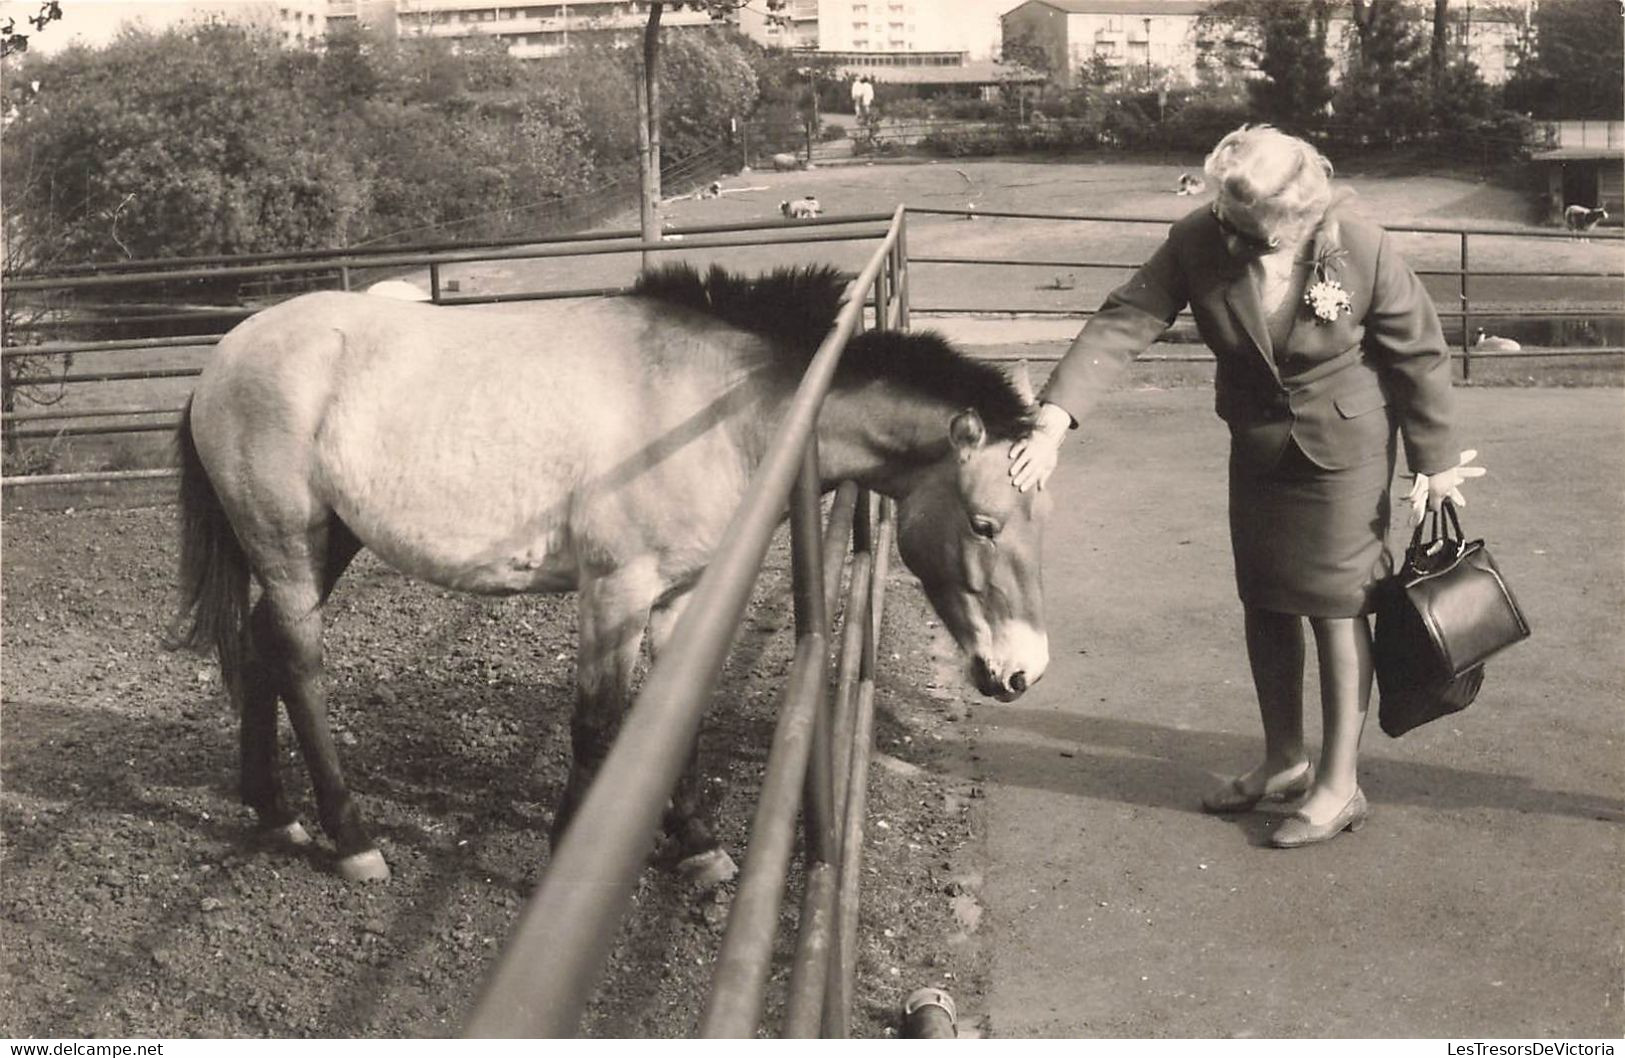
{"x": 1023, "y": 381}
{"x": 967, "y": 434}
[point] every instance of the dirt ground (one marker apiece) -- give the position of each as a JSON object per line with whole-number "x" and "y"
{"x": 136, "y": 903}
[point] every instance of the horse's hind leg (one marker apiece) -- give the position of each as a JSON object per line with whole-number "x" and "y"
{"x": 262, "y": 686}
{"x": 303, "y": 568}
{"x": 261, "y": 781}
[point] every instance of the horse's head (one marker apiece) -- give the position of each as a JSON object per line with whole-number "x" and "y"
{"x": 974, "y": 541}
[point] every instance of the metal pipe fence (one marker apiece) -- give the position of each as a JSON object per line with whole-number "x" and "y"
{"x": 55, "y": 359}
{"x": 1468, "y": 314}
{"x": 546, "y": 973}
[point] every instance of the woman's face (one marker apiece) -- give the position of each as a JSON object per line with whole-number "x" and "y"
{"x": 1245, "y": 235}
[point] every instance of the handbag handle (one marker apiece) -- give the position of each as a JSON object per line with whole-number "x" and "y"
{"x": 1443, "y": 526}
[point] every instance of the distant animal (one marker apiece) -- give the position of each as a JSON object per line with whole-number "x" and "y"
{"x": 1063, "y": 281}
{"x": 802, "y": 208}
{"x": 596, "y": 446}
{"x": 1190, "y": 184}
{"x": 1583, "y": 218}
{"x": 1494, "y": 343}
{"x": 399, "y": 289}
{"x": 712, "y": 190}
{"x": 786, "y": 161}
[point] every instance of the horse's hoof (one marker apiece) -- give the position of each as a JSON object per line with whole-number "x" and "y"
{"x": 293, "y": 835}
{"x": 368, "y": 866}
{"x": 707, "y": 870}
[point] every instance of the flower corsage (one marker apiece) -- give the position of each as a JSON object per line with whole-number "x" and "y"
{"x": 1325, "y": 295}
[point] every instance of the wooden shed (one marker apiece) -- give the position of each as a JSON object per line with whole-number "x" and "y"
{"x": 1584, "y": 165}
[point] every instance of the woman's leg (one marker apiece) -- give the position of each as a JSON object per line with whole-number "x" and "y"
{"x": 1343, "y": 647}
{"x": 1275, "y": 651}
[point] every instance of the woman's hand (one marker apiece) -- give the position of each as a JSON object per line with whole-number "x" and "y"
{"x": 1431, "y": 490}
{"x": 1033, "y": 458}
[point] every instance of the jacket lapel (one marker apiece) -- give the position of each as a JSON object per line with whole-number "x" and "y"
{"x": 1241, "y": 294}
{"x": 1324, "y": 246}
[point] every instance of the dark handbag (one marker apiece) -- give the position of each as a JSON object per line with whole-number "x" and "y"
{"x": 1445, "y": 612}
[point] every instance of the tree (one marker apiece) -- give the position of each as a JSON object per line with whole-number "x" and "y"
{"x": 12, "y": 41}
{"x": 1296, "y": 82}
{"x": 1283, "y": 41}
{"x": 649, "y": 115}
{"x": 1571, "y": 67}
{"x": 1384, "y": 93}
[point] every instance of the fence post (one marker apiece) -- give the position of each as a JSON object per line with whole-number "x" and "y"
{"x": 1466, "y": 317}
{"x": 812, "y": 618}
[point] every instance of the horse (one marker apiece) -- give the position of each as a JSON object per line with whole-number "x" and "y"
{"x": 803, "y": 208}
{"x": 1579, "y": 218}
{"x": 597, "y": 446}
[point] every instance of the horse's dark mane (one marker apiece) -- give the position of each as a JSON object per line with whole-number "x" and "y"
{"x": 795, "y": 307}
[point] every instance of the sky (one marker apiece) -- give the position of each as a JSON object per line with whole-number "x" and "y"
{"x": 94, "y": 22}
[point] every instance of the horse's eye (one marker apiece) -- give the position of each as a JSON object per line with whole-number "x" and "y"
{"x": 983, "y": 526}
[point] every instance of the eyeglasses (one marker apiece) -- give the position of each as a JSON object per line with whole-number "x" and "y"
{"x": 1246, "y": 238}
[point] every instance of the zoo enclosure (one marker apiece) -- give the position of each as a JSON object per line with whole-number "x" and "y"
{"x": 818, "y": 761}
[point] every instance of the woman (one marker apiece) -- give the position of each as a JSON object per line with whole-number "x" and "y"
{"x": 1326, "y": 346}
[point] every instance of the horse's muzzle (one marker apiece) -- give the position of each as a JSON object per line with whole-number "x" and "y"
{"x": 1004, "y": 688}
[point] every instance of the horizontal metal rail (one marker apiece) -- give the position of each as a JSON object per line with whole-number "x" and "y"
{"x": 91, "y": 477}
{"x": 1041, "y": 311}
{"x": 543, "y": 978}
{"x": 187, "y": 341}
{"x": 161, "y": 267}
{"x": 1130, "y": 265}
{"x": 1421, "y": 229}
{"x": 788, "y": 231}
{"x": 41, "y": 432}
{"x": 84, "y": 413}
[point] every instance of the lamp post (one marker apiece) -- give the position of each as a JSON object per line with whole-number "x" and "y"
{"x": 1148, "y": 51}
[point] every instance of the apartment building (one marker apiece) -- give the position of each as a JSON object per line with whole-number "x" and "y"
{"x": 970, "y": 27}
{"x": 529, "y": 30}
{"x": 1167, "y": 35}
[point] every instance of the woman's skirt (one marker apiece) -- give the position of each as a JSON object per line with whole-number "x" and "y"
{"x": 1307, "y": 540}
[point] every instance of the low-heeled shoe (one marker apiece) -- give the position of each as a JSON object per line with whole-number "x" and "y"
{"x": 1232, "y": 798}
{"x": 1297, "y": 829}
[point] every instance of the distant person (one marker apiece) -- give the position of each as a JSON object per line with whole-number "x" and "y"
{"x": 863, "y": 97}
{"x": 1327, "y": 352}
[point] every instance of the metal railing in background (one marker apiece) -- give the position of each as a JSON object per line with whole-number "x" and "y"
{"x": 817, "y": 762}
{"x": 351, "y": 269}
{"x": 1467, "y": 314}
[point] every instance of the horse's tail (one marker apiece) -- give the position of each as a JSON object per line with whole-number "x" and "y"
{"x": 214, "y": 570}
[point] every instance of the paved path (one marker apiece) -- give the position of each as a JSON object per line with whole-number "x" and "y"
{"x": 1484, "y": 897}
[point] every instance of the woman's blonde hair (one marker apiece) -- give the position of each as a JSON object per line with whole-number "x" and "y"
{"x": 1280, "y": 179}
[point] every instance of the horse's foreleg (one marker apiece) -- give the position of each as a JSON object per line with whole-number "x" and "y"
{"x": 704, "y": 861}
{"x": 684, "y": 821}
{"x": 614, "y": 609}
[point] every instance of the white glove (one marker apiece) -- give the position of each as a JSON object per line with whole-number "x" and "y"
{"x": 1431, "y": 490}
{"x": 1033, "y": 459}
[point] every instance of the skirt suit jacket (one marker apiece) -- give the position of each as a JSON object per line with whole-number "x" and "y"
{"x": 1312, "y": 422}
